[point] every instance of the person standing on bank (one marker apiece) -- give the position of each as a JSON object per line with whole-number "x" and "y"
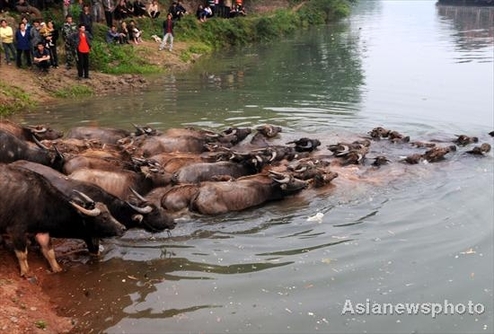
{"x": 108, "y": 8}
{"x": 82, "y": 41}
{"x": 7, "y": 39}
{"x": 23, "y": 44}
{"x": 168, "y": 32}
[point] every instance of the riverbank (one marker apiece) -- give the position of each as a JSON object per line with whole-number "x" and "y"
{"x": 116, "y": 69}
{"x": 21, "y": 89}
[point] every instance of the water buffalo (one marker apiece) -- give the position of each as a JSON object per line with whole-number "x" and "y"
{"x": 263, "y": 134}
{"x": 220, "y": 197}
{"x": 105, "y": 135}
{"x": 119, "y": 182}
{"x": 13, "y": 148}
{"x": 140, "y": 215}
{"x": 188, "y": 140}
{"x": 30, "y": 133}
{"x": 212, "y": 198}
{"x": 305, "y": 144}
{"x": 32, "y": 205}
{"x": 205, "y": 171}
{"x": 73, "y": 145}
{"x": 109, "y": 162}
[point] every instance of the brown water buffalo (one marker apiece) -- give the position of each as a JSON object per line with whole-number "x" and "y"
{"x": 263, "y": 134}
{"x": 188, "y": 140}
{"x": 82, "y": 162}
{"x": 220, "y": 197}
{"x": 205, "y": 171}
{"x": 480, "y": 150}
{"x": 104, "y": 135}
{"x": 73, "y": 145}
{"x": 32, "y": 205}
{"x": 119, "y": 182}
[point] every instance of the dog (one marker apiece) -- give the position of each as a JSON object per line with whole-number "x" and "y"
{"x": 156, "y": 38}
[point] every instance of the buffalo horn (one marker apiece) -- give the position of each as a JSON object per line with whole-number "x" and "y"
{"x": 273, "y": 156}
{"x": 285, "y": 178}
{"x": 136, "y": 194}
{"x": 301, "y": 169}
{"x": 92, "y": 213}
{"x": 84, "y": 197}
{"x": 39, "y": 143}
{"x": 212, "y": 135}
{"x": 138, "y": 128}
{"x": 38, "y": 130}
{"x": 145, "y": 210}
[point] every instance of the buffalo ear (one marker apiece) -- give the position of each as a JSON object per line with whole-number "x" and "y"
{"x": 137, "y": 218}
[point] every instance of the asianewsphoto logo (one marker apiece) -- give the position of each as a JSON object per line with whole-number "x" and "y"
{"x": 432, "y": 309}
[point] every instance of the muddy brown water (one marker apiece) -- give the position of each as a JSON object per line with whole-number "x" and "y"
{"x": 400, "y": 234}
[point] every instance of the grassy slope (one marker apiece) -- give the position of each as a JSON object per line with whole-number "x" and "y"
{"x": 193, "y": 39}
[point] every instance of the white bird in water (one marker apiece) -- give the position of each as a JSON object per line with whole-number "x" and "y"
{"x": 316, "y": 218}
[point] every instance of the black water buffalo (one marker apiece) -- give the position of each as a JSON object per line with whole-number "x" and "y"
{"x": 30, "y": 133}
{"x": 13, "y": 148}
{"x": 140, "y": 215}
{"x": 30, "y": 204}
{"x": 104, "y": 135}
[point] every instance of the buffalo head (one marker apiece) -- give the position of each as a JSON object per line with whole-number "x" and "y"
{"x": 288, "y": 184}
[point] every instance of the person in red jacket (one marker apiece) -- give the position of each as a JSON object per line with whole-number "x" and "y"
{"x": 82, "y": 41}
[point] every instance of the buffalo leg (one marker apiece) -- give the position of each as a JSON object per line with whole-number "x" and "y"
{"x": 44, "y": 241}
{"x": 22, "y": 258}
{"x": 20, "y": 248}
{"x": 92, "y": 246}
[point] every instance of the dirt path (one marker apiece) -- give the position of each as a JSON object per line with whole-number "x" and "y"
{"x": 25, "y": 308}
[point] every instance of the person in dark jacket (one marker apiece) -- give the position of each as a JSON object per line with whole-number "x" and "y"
{"x": 86, "y": 19}
{"x": 167, "y": 32}
{"x": 23, "y": 45}
{"x": 41, "y": 57}
{"x": 50, "y": 39}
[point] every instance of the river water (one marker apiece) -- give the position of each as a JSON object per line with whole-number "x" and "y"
{"x": 415, "y": 234}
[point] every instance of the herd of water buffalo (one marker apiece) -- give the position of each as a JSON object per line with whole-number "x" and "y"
{"x": 95, "y": 182}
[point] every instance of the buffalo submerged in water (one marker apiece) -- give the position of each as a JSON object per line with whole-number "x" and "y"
{"x": 105, "y": 180}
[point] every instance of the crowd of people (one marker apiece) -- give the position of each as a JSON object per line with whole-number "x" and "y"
{"x": 35, "y": 43}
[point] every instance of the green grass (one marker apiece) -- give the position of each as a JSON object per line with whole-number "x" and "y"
{"x": 74, "y": 91}
{"x": 15, "y": 99}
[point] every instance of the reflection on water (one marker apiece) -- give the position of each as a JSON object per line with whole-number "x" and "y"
{"x": 395, "y": 234}
{"x": 474, "y": 28}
